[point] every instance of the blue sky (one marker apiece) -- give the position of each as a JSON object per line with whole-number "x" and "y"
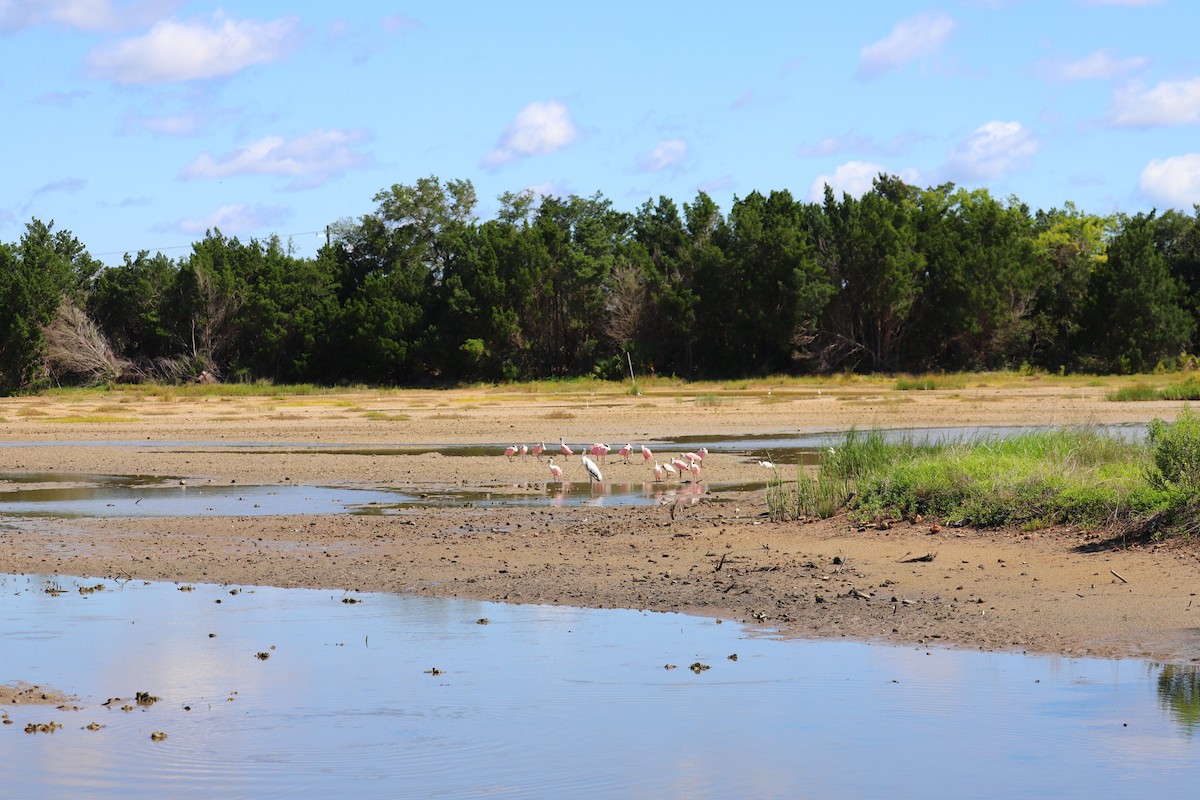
{"x": 138, "y": 124}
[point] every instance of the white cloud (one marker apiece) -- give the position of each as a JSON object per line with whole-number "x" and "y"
{"x": 666, "y": 154}
{"x": 854, "y": 178}
{"x": 236, "y": 219}
{"x": 991, "y": 150}
{"x": 1174, "y": 181}
{"x": 538, "y": 129}
{"x": 1168, "y": 103}
{"x": 88, "y": 15}
{"x": 1097, "y": 65}
{"x": 173, "y": 51}
{"x": 310, "y": 160}
{"x": 911, "y": 39}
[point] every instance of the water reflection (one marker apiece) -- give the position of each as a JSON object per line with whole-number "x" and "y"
{"x": 1179, "y": 693}
{"x": 546, "y": 702}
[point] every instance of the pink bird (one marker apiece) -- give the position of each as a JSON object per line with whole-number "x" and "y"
{"x": 693, "y": 457}
{"x": 524, "y": 451}
{"x": 510, "y": 451}
{"x": 646, "y": 454}
{"x": 599, "y": 450}
{"x": 680, "y": 465}
{"x": 538, "y": 449}
{"x": 562, "y": 448}
{"x": 658, "y": 471}
{"x": 555, "y": 469}
{"x": 625, "y": 451}
{"x": 702, "y": 452}
{"x": 695, "y": 468}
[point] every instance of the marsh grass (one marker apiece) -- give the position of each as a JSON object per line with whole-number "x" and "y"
{"x": 926, "y": 383}
{"x": 1074, "y": 476}
{"x": 1184, "y": 391}
{"x": 384, "y": 416}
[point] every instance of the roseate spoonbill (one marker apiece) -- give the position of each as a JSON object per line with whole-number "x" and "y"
{"x": 702, "y": 452}
{"x": 510, "y": 451}
{"x": 555, "y": 469}
{"x": 524, "y": 451}
{"x": 592, "y": 470}
{"x": 646, "y": 454}
{"x": 667, "y": 467}
{"x": 600, "y": 451}
{"x": 562, "y": 448}
{"x": 658, "y": 471}
{"x": 538, "y": 448}
{"x": 625, "y": 451}
{"x": 680, "y": 465}
{"x": 695, "y": 468}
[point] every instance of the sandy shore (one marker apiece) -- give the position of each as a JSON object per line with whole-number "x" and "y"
{"x": 1058, "y": 591}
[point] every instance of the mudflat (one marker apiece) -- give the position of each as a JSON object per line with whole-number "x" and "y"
{"x": 711, "y": 550}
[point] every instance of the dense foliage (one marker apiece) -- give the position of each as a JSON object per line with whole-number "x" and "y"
{"x": 422, "y": 291}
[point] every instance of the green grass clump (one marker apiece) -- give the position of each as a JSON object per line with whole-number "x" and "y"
{"x": 1074, "y": 476}
{"x": 927, "y": 383}
{"x": 1185, "y": 391}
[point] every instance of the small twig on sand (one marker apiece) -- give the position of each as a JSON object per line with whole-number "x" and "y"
{"x": 1114, "y": 572}
{"x": 916, "y": 559}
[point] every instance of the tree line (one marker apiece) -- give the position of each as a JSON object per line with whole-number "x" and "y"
{"x": 901, "y": 279}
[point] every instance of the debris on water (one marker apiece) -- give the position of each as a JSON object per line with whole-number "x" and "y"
{"x": 92, "y": 726}
{"x": 698, "y": 667}
{"x": 482, "y": 621}
{"x": 42, "y": 727}
{"x": 145, "y": 699}
{"x": 433, "y": 671}
{"x": 157, "y": 736}
{"x": 669, "y": 666}
{"x": 732, "y": 656}
{"x": 262, "y": 655}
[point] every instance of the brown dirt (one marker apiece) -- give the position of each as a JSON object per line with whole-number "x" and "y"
{"x": 1061, "y": 591}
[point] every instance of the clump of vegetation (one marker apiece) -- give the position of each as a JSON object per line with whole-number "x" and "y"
{"x": 928, "y": 383}
{"x": 1186, "y": 391}
{"x": 1076, "y": 476}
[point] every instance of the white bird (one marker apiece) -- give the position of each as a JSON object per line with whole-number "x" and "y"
{"x": 669, "y": 468}
{"x": 658, "y": 471}
{"x": 562, "y": 448}
{"x": 766, "y": 464}
{"x": 592, "y": 470}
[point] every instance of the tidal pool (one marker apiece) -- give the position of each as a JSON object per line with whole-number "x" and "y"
{"x": 64, "y": 495}
{"x": 399, "y": 696}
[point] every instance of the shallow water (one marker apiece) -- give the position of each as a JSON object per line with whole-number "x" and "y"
{"x": 551, "y": 702}
{"x": 66, "y": 495}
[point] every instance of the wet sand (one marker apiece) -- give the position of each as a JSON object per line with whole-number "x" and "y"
{"x": 1055, "y": 591}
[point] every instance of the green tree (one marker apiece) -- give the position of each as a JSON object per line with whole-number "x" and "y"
{"x": 45, "y": 267}
{"x": 868, "y": 248}
{"x": 1134, "y": 317}
{"x": 762, "y": 291}
{"x": 130, "y": 304}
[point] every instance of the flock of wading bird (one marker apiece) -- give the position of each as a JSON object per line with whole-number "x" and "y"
{"x": 591, "y": 458}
